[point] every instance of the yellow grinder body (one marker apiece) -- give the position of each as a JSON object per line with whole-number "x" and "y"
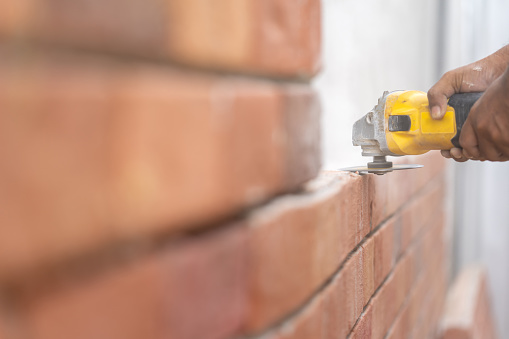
{"x": 409, "y": 128}
{"x": 401, "y": 124}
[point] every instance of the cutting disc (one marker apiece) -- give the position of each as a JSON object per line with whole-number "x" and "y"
{"x": 365, "y": 169}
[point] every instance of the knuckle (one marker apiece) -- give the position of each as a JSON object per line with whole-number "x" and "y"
{"x": 497, "y": 136}
{"x": 504, "y": 139}
{"x": 450, "y": 76}
{"x": 433, "y": 94}
{"x": 482, "y": 126}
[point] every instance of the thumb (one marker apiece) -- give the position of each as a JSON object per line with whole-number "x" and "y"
{"x": 439, "y": 94}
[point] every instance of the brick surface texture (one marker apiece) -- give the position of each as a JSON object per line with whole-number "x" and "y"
{"x": 467, "y": 312}
{"x": 161, "y": 179}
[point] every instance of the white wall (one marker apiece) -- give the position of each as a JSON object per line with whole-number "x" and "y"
{"x": 371, "y": 46}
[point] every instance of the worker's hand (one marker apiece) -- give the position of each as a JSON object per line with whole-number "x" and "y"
{"x": 485, "y": 134}
{"x": 476, "y": 77}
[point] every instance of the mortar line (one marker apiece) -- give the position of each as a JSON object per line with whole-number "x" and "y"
{"x": 410, "y": 246}
{"x": 123, "y": 253}
{"x": 289, "y": 317}
{"x": 44, "y": 47}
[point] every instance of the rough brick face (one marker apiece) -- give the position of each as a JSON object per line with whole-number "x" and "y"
{"x": 120, "y": 129}
{"x": 467, "y": 311}
{"x": 280, "y": 38}
{"x": 194, "y": 289}
{"x": 298, "y": 241}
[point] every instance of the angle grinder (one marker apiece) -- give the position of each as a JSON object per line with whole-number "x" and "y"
{"x": 401, "y": 124}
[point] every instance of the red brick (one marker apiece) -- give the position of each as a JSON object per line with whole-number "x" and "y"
{"x": 384, "y": 251}
{"x": 411, "y": 316}
{"x": 379, "y": 205}
{"x": 14, "y": 17}
{"x": 345, "y": 297}
{"x": 108, "y": 151}
{"x": 194, "y": 289}
{"x": 288, "y": 37}
{"x": 307, "y": 324}
{"x": 333, "y": 312}
{"x": 467, "y": 311}
{"x": 302, "y": 122}
{"x": 406, "y": 319}
{"x": 431, "y": 308}
{"x": 434, "y": 275}
{"x": 390, "y": 297}
{"x": 271, "y": 37}
{"x": 431, "y": 249}
{"x": 388, "y": 302}
{"x": 10, "y": 328}
{"x": 298, "y": 242}
{"x": 369, "y": 269}
{"x": 364, "y": 327}
{"x": 414, "y": 217}
{"x": 285, "y": 245}
{"x": 280, "y": 37}
{"x": 389, "y": 192}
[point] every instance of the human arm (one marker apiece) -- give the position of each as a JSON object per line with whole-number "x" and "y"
{"x": 486, "y": 117}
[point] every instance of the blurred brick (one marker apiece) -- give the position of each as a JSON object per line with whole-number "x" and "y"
{"x": 288, "y": 37}
{"x": 10, "y": 328}
{"x": 434, "y": 275}
{"x": 140, "y": 28}
{"x": 14, "y": 17}
{"x": 407, "y": 318}
{"x": 467, "y": 312}
{"x": 297, "y": 242}
{"x": 195, "y": 289}
{"x": 302, "y": 120}
{"x": 280, "y": 38}
{"x": 308, "y": 324}
{"x": 103, "y": 151}
{"x": 431, "y": 307}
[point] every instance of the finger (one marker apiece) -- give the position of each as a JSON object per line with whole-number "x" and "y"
{"x": 490, "y": 151}
{"x": 457, "y": 155}
{"x": 504, "y": 149}
{"x": 446, "y": 154}
{"x": 468, "y": 141}
{"x": 468, "y": 155}
{"x": 500, "y": 136}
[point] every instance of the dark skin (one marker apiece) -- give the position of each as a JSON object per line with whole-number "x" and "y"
{"x": 485, "y": 134}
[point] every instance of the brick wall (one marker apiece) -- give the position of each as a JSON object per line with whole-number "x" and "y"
{"x": 160, "y": 179}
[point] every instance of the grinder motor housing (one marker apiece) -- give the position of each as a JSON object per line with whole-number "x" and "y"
{"x": 401, "y": 124}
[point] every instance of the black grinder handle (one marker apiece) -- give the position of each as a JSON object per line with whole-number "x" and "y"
{"x": 462, "y": 104}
